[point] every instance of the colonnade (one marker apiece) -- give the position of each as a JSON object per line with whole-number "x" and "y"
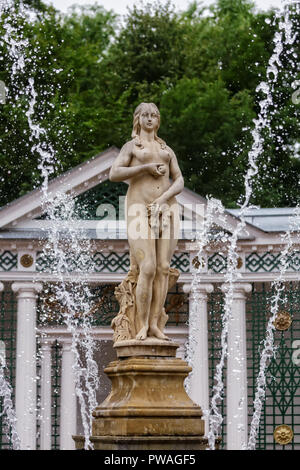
{"x": 68, "y": 406}
{"x": 26, "y": 377}
{"x": 236, "y": 378}
{"x": 26, "y": 368}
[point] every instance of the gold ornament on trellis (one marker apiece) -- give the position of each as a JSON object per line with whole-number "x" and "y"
{"x": 198, "y": 263}
{"x": 283, "y": 434}
{"x": 26, "y": 261}
{"x": 283, "y": 320}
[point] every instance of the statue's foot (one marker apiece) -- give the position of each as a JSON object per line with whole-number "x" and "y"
{"x": 155, "y": 331}
{"x": 142, "y": 334}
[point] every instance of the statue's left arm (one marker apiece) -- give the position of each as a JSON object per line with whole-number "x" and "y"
{"x": 178, "y": 182}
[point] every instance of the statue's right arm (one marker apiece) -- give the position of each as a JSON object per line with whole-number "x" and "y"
{"x": 120, "y": 170}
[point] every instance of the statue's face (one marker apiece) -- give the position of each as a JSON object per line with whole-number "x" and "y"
{"x": 149, "y": 119}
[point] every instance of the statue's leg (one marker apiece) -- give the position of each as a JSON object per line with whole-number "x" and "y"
{"x": 165, "y": 248}
{"x": 143, "y": 251}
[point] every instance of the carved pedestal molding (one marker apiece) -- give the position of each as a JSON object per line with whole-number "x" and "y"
{"x": 68, "y": 413}
{"x": 45, "y": 423}
{"x": 181, "y": 351}
{"x": 198, "y": 344}
{"x": 26, "y": 362}
{"x": 237, "y": 409}
{"x": 148, "y": 407}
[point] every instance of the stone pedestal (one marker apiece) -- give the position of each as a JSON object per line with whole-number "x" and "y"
{"x": 148, "y": 407}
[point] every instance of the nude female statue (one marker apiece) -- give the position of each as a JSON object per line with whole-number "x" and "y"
{"x": 152, "y": 214}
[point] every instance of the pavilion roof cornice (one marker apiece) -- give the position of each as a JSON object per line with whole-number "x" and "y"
{"x": 112, "y": 278}
{"x": 22, "y": 212}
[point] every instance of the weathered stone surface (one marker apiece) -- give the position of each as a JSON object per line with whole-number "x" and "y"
{"x": 148, "y": 399}
{"x": 153, "y": 222}
{"x": 150, "y": 347}
{"x": 148, "y": 407}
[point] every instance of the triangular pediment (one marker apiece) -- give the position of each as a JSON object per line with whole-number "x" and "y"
{"x": 77, "y": 180}
{"x": 89, "y": 185}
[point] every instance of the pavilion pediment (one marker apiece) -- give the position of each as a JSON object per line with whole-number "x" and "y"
{"x": 75, "y": 181}
{"x": 96, "y": 198}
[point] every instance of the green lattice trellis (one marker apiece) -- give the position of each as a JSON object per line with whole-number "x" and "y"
{"x": 215, "y": 306}
{"x": 56, "y": 361}
{"x": 294, "y": 262}
{"x": 266, "y": 262}
{"x": 108, "y": 306}
{"x": 102, "y": 262}
{"x": 111, "y": 262}
{"x": 104, "y": 307}
{"x": 74, "y": 263}
{"x": 255, "y": 262}
{"x": 55, "y": 396}
{"x": 283, "y": 378}
{"x": 86, "y": 204}
{"x": 217, "y": 263}
{"x": 269, "y": 262}
{"x": 181, "y": 261}
{"x": 8, "y": 260}
{"x": 282, "y": 404}
{"x": 283, "y": 386}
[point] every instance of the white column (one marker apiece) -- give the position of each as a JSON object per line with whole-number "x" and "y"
{"x": 68, "y": 411}
{"x": 237, "y": 403}
{"x": 198, "y": 345}
{"x": 26, "y": 363}
{"x": 45, "y": 426}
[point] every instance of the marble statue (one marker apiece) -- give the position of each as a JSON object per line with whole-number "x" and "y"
{"x": 148, "y": 406}
{"x": 151, "y": 169}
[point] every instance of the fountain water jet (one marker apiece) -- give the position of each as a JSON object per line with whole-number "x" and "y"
{"x": 8, "y": 412}
{"x": 269, "y": 349}
{"x": 77, "y": 298}
{"x": 283, "y": 36}
{"x": 232, "y": 275}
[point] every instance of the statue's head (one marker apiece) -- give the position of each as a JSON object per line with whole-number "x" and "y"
{"x": 141, "y": 108}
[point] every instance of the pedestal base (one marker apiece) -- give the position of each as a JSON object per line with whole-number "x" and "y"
{"x": 144, "y": 443}
{"x": 150, "y": 347}
{"x": 148, "y": 399}
{"x": 148, "y": 407}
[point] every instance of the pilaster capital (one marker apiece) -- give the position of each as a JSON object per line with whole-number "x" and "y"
{"x": 1, "y": 286}
{"x": 239, "y": 289}
{"x": 27, "y": 289}
{"x": 198, "y": 288}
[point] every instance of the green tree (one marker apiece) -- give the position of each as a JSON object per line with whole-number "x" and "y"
{"x": 205, "y": 119}
{"x": 63, "y": 56}
{"x": 201, "y": 67}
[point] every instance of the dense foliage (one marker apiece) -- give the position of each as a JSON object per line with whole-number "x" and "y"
{"x": 201, "y": 67}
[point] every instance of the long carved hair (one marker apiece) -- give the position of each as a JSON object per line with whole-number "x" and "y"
{"x": 136, "y": 130}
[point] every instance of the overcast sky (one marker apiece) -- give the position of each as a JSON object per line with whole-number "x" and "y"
{"x": 119, "y": 6}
